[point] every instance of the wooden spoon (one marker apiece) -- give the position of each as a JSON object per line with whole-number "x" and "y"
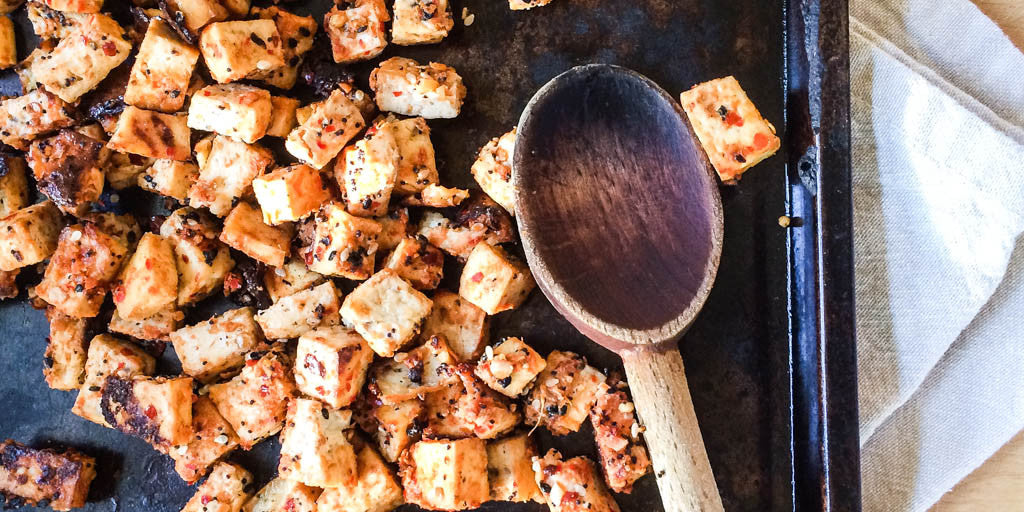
{"x": 621, "y": 222}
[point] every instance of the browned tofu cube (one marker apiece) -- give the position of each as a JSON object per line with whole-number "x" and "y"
{"x": 510, "y": 469}
{"x": 80, "y": 6}
{"x": 212, "y": 438}
{"x": 162, "y": 70}
{"x": 331, "y": 365}
{"x": 403, "y": 86}
{"x": 314, "y": 449}
{"x": 445, "y": 475}
{"x": 418, "y": 262}
{"x": 282, "y": 116}
{"x": 357, "y": 33}
{"x": 198, "y": 13}
{"x": 297, "y": 35}
{"x": 67, "y": 169}
{"x": 156, "y": 327}
{"x": 343, "y": 244}
{"x": 108, "y": 356}
{"x": 8, "y": 50}
{"x": 224, "y": 491}
{"x": 26, "y": 117}
{"x": 30, "y": 235}
{"x": 240, "y": 111}
{"x": 202, "y": 260}
{"x": 288, "y": 194}
{"x": 461, "y": 236}
{"x": 366, "y": 173}
{"x": 169, "y": 178}
{"x": 218, "y": 345}
{"x": 417, "y": 167}
{"x": 255, "y": 401}
{"x": 245, "y": 231}
{"x": 487, "y": 413}
{"x": 398, "y": 426}
{"x": 386, "y": 310}
{"x": 282, "y": 494}
{"x": 149, "y": 281}
{"x": 572, "y": 485}
{"x": 83, "y": 59}
{"x": 522, "y": 5}
{"x": 234, "y": 50}
{"x": 290, "y": 278}
{"x": 493, "y": 170}
{"x": 152, "y": 134}
{"x": 227, "y": 173}
{"x": 62, "y": 477}
{"x": 301, "y": 312}
{"x": 413, "y": 373}
{"x": 322, "y": 136}
{"x": 564, "y": 393}
{"x": 436, "y": 196}
{"x": 82, "y": 270}
{"x": 421, "y": 21}
{"x": 49, "y": 23}
{"x": 619, "y": 447}
{"x": 464, "y": 326}
{"x": 14, "y": 191}
{"x": 375, "y": 489}
{"x": 157, "y": 410}
{"x": 64, "y": 360}
{"x": 393, "y": 228}
{"x": 440, "y": 406}
{"x": 494, "y": 281}
{"x": 510, "y": 366}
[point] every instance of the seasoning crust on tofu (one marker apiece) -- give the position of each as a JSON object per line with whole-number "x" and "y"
{"x": 62, "y": 477}
{"x": 405, "y": 87}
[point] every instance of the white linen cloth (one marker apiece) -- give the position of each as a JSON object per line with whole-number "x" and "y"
{"x": 938, "y": 138}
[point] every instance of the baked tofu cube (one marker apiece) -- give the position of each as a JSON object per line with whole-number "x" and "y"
{"x": 331, "y": 365}
{"x": 494, "y": 281}
{"x": 564, "y": 393}
{"x": 572, "y": 485}
{"x": 487, "y": 413}
{"x": 290, "y": 278}
{"x": 241, "y": 111}
{"x": 81, "y": 6}
{"x": 417, "y": 167}
{"x": 297, "y": 314}
{"x": 149, "y": 281}
{"x": 218, "y": 345}
{"x": 445, "y": 475}
{"x": 162, "y": 70}
{"x": 169, "y": 178}
{"x": 375, "y": 489}
{"x": 223, "y": 491}
{"x": 297, "y": 34}
{"x": 123, "y": 227}
{"x": 282, "y": 494}
{"x": 282, "y": 116}
{"x": 510, "y": 469}
{"x": 493, "y": 170}
{"x": 413, "y": 373}
{"x": 13, "y": 184}
{"x": 314, "y": 449}
{"x": 201, "y": 259}
{"x": 67, "y": 169}
{"x": 288, "y": 194}
{"x": 64, "y": 359}
{"x": 617, "y": 434}
{"x": 436, "y": 196}
{"x": 108, "y": 356}
{"x": 157, "y": 410}
{"x": 83, "y": 59}
{"x": 421, "y": 21}
{"x": 255, "y": 401}
{"x": 356, "y": 33}
{"x": 227, "y": 173}
{"x": 442, "y": 422}
{"x": 62, "y": 477}
{"x": 366, "y": 173}
{"x": 197, "y": 13}
{"x": 398, "y": 426}
{"x": 8, "y": 50}
{"x": 24, "y": 118}
{"x": 402, "y": 86}
{"x": 82, "y": 270}
{"x": 327, "y": 130}
{"x": 234, "y": 50}
{"x": 211, "y": 439}
{"x": 733, "y": 133}
{"x": 394, "y": 227}
{"x": 463, "y": 326}
{"x": 156, "y": 327}
{"x": 30, "y": 235}
{"x": 418, "y": 262}
{"x": 386, "y": 310}
{"x": 343, "y": 244}
{"x": 510, "y": 366}
{"x": 49, "y": 23}
{"x": 152, "y": 134}
{"x": 123, "y": 169}
{"x": 245, "y": 231}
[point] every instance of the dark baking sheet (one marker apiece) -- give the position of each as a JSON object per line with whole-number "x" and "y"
{"x": 770, "y": 360}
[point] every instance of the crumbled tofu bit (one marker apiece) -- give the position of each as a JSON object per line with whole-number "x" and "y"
{"x": 421, "y": 21}
{"x": 356, "y": 33}
{"x": 288, "y": 194}
{"x": 436, "y": 196}
{"x": 386, "y": 310}
{"x": 241, "y": 111}
{"x": 162, "y": 70}
{"x": 446, "y": 475}
{"x": 327, "y": 130}
{"x": 71, "y": 474}
{"x": 493, "y": 170}
{"x": 405, "y": 87}
{"x": 233, "y": 50}
{"x": 83, "y": 59}
{"x": 152, "y": 134}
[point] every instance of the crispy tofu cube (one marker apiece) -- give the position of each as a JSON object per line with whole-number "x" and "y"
{"x": 327, "y": 130}
{"x": 572, "y": 485}
{"x": 201, "y": 259}
{"x": 289, "y": 279}
{"x": 255, "y": 401}
{"x": 218, "y": 345}
{"x": 241, "y": 111}
{"x": 314, "y": 449}
{"x": 487, "y": 413}
{"x": 331, "y": 364}
{"x": 227, "y": 173}
{"x": 223, "y": 491}
{"x": 493, "y": 170}
{"x": 156, "y": 327}
{"x": 30, "y": 235}
{"x": 394, "y": 227}
{"x": 366, "y": 173}
{"x": 413, "y": 373}
{"x": 494, "y": 281}
{"x": 297, "y": 33}
{"x": 149, "y": 281}
{"x": 83, "y": 59}
{"x": 733, "y": 133}
{"x": 81, "y": 270}
{"x": 8, "y": 50}
{"x": 198, "y": 13}
{"x": 452, "y": 237}
{"x": 296, "y": 314}
{"x": 211, "y": 439}
{"x": 108, "y": 356}
{"x": 13, "y": 185}
{"x": 152, "y": 134}
{"x": 62, "y": 477}
{"x": 440, "y": 406}
{"x": 464, "y": 326}
{"x": 245, "y": 231}
{"x": 510, "y": 366}
{"x": 403, "y": 86}
{"x": 621, "y": 452}
{"x": 64, "y": 360}
{"x": 284, "y": 494}
{"x": 386, "y": 310}
{"x": 123, "y": 227}
{"x": 421, "y": 21}
{"x": 375, "y": 489}
{"x": 123, "y": 169}
{"x": 445, "y": 475}
{"x": 510, "y": 469}
{"x": 24, "y": 118}
{"x": 234, "y": 50}
{"x": 564, "y": 394}
{"x": 418, "y": 262}
{"x": 282, "y": 116}
{"x": 169, "y": 178}
{"x": 343, "y": 244}
{"x": 398, "y": 426}
{"x": 157, "y": 410}
{"x": 67, "y": 169}
{"x": 356, "y": 33}
{"x": 162, "y": 70}
{"x": 49, "y": 23}
{"x": 81, "y": 6}
{"x": 288, "y": 194}
{"x": 416, "y": 164}
{"x": 436, "y": 196}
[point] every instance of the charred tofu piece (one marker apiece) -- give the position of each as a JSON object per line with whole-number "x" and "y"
{"x": 297, "y": 39}
{"x": 149, "y": 281}
{"x": 83, "y": 59}
{"x": 421, "y": 21}
{"x": 510, "y": 366}
{"x": 394, "y": 227}
{"x": 410, "y": 374}
{"x": 123, "y": 170}
{"x": 327, "y": 130}
{"x": 386, "y": 310}
{"x": 289, "y": 279}
{"x": 64, "y": 359}
{"x": 522, "y": 5}
{"x": 403, "y": 86}
{"x": 152, "y": 134}
{"x": 455, "y": 238}
{"x": 14, "y": 191}
{"x": 218, "y": 345}
{"x": 366, "y": 172}
{"x": 196, "y": 14}
{"x": 494, "y": 281}
{"x": 282, "y": 494}
{"x": 343, "y": 244}
{"x": 572, "y": 485}
{"x": 282, "y": 116}
{"x": 510, "y": 469}
{"x": 733, "y": 133}
{"x": 255, "y": 401}
{"x": 331, "y": 364}
{"x": 30, "y": 235}
{"x": 8, "y": 50}
{"x": 82, "y": 270}
{"x": 357, "y": 33}
{"x": 156, "y": 327}
{"x": 224, "y": 491}
{"x": 617, "y": 434}
{"x": 440, "y": 406}
{"x": 169, "y": 178}
{"x": 493, "y": 170}
{"x": 464, "y": 326}
{"x": 241, "y": 111}
{"x": 245, "y": 231}
{"x": 80, "y": 6}
{"x": 314, "y": 448}
{"x": 201, "y": 259}
{"x": 418, "y": 262}
{"x": 62, "y": 477}
{"x": 226, "y": 174}
{"x": 564, "y": 393}
{"x": 157, "y": 410}
{"x": 108, "y": 356}
{"x": 234, "y": 50}
{"x": 445, "y": 475}
{"x": 488, "y": 414}
{"x": 288, "y": 194}
{"x": 297, "y": 314}
{"x": 67, "y": 169}
{"x": 162, "y": 70}
{"x": 211, "y": 439}
{"x": 417, "y": 167}
{"x": 398, "y": 426}
{"x": 436, "y": 196}
{"x": 375, "y": 489}
{"x": 24, "y": 118}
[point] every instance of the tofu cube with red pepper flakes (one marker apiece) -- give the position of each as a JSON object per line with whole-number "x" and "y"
{"x": 64, "y": 359}
{"x": 26, "y": 117}
{"x": 296, "y": 314}
{"x": 245, "y": 231}
{"x": 386, "y": 310}
{"x": 327, "y": 130}
{"x": 282, "y": 116}
{"x": 226, "y": 174}
{"x": 454, "y": 238}
{"x": 61, "y": 477}
{"x": 421, "y": 21}
{"x": 234, "y": 50}
{"x": 436, "y": 196}
{"x": 403, "y": 86}
{"x": 201, "y": 259}
{"x": 123, "y": 227}
{"x": 156, "y": 327}
{"x": 375, "y": 489}
{"x": 418, "y": 262}
{"x": 49, "y": 23}
{"x": 240, "y": 111}
{"x": 297, "y": 34}
{"x": 366, "y": 173}
{"x": 290, "y": 278}
{"x": 82, "y": 59}
{"x": 399, "y": 425}
{"x": 152, "y": 134}
{"x": 14, "y": 190}
{"x": 343, "y": 244}
{"x": 493, "y": 170}
{"x": 413, "y": 373}
{"x": 288, "y": 194}
{"x": 169, "y": 178}
{"x": 357, "y": 33}
{"x": 149, "y": 281}
{"x": 510, "y": 366}
{"x": 314, "y": 448}
{"x": 441, "y": 420}
{"x": 487, "y": 414}
{"x": 510, "y": 469}
{"x": 494, "y": 281}
{"x": 82, "y": 270}
{"x": 211, "y": 439}
{"x": 162, "y": 70}
{"x": 29, "y": 235}
{"x": 282, "y": 494}
{"x": 108, "y": 356}
{"x": 331, "y": 364}
{"x": 68, "y": 169}
{"x": 255, "y": 401}
{"x": 734, "y": 134}
{"x": 521, "y": 5}
{"x": 572, "y": 485}
{"x": 157, "y": 410}
{"x": 81, "y": 6}
{"x": 394, "y": 227}
{"x": 445, "y": 475}
{"x": 8, "y": 50}
{"x": 564, "y": 393}
{"x": 617, "y": 434}
{"x": 226, "y": 490}
{"x": 218, "y": 345}
{"x": 416, "y": 164}
{"x": 462, "y": 325}
{"x": 197, "y": 13}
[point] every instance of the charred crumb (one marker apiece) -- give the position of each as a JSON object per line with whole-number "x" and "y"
{"x": 251, "y": 290}
{"x": 320, "y": 72}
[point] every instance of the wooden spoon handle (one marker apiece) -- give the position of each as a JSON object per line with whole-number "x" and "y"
{"x": 663, "y": 402}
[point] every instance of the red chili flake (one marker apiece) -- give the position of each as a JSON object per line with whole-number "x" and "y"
{"x": 252, "y": 362}
{"x": 289, "y": 506}
{"x": 320, "y": 144}
{"x": 85, "y": 40}
{"x": 570, "y": 498}
{"x": 206, "y": 499}
{"x": 371, "y": 130}
{"x": 397, "y": 93}
{"x": 170, "y": 152}
{"x": 329, "y": 128}
{"x": 479, "y": 276}
{"x": 109, "y": 49}
{"x": 149, "y": 264}
{"x": 733, "y": 119}
{"x": 232, "y": 283}
{"x": 151, "y": 412}
{"x": 264, "y": 390}
{"x": 119, "y": 294}
{"x": 120, "y": 366}
{"x": 207, "y": 93}
{"x": 191, "y": 466}
{"x": 760, "y": 141}
{"x": 321, "y": 390}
